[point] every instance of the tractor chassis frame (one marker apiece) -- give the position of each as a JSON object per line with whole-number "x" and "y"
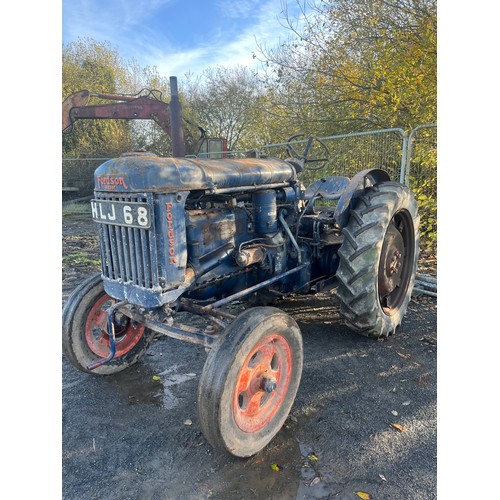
{"x": 162, "y": 323}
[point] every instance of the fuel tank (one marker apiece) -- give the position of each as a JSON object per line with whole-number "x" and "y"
{"x": 143, "y": 171}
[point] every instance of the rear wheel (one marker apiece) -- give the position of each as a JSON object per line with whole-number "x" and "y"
{"x": 378, "y": 259}
{"x": 85, "y": 333}
{"x": 250, "y": 380}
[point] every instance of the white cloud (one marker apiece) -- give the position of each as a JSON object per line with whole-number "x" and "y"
{"x": 267, "y": 30}
{"x": 118, "y": 21}
{"x": 239, "y": 9}
{"x": 244, "y": 25}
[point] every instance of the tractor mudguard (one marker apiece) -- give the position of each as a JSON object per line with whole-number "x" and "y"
{"x": 356, "y": 186}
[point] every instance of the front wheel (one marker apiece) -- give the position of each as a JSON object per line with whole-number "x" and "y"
{"x": 378, "y": 259}
{"x": 250, "y": 380}
{"x": 85, "y": 334}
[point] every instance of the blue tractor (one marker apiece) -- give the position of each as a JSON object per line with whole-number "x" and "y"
{"x": 192, "y": 234}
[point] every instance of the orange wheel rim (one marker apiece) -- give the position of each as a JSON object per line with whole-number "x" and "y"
{"x": 262, "y": 383}
{"x": 96, "y": 331}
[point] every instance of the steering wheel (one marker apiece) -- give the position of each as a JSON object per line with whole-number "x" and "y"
{"x": 320, "y": 152}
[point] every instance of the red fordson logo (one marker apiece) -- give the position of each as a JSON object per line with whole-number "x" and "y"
{"x": 171, "y": 234}
{"x": 110, "y": 183}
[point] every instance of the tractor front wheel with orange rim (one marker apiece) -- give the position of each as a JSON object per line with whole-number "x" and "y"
{"x": 250, "y": 380}
{"x": 85, "y": 338}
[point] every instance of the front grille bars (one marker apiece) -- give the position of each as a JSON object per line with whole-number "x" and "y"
{"x": 129, "y": 255}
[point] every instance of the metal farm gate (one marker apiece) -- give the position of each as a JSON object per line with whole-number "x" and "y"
{"x": 421, "y": 176}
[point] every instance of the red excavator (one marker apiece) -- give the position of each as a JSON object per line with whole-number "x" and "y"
{"x": 146, "y": 105}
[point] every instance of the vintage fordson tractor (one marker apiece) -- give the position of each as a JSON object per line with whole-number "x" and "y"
{"x": 194, "y": 235}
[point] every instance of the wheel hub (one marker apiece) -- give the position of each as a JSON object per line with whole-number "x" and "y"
{"x": 391, "y": 261}
{"x": 96, "y": 330}
{"x": 396, "y": 261}
{"x": 268, "y": 384}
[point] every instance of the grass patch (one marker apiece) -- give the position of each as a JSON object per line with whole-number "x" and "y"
{"x": 76, "y": 208}
{"x": 81, "y": 258}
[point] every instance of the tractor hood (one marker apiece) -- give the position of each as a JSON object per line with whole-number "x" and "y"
{"x": 143, "y": 171}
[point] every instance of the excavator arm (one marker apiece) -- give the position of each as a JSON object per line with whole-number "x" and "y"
{"x": 140, "y": 106}
{"x": 128, "y": 107}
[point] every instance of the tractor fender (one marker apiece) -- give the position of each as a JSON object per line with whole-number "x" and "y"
{"x": 357, "y": 186}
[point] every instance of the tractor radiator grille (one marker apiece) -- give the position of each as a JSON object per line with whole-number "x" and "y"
{"x": 129, "y": 255}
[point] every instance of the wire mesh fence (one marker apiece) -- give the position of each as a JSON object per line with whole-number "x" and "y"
{"x": 421, "y": 177}
{"x": 408, "y": 158}
{"x": 78, "y": 177}
{"x": 348, "y": 154}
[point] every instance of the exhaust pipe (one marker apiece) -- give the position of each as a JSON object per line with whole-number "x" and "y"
{"x": 176, "y": 130}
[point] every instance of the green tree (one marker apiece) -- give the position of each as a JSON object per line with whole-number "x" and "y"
{"x": 97, "y": 67}
{"x": 147, "y": 134}
{"x": 223, "y": 102}
{"x": 358, "y": 64}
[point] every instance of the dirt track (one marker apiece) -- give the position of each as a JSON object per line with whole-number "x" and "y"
{"x": 129, "y": 436}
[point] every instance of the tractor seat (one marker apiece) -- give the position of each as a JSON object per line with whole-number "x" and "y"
{"x": 330, "y": 188}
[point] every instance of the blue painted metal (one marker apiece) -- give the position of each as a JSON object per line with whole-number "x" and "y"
{"x": 286, "y": 195}
{"x": 189, "y": 334}
{"x": 207, "y": 230}
{"x": 290, "y": 235}
{"x": 147, "y": 172}
{"x": 330, "y": 188}
{"x": 190, "y": 251}
{"x": 356, "y": 186}
{"x": 254, "y": 288}
{"x": 265, "y": 211}
{"x": 146, "y": 266}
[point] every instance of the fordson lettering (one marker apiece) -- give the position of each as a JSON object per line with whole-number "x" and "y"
{"x": 110, "y": 183}
{"x": 170, "y": 234}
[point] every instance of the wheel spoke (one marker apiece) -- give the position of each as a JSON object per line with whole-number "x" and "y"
{"x": 267, "y": 353}
{"x": 244, "y": 379}
{"x": 254, "y": 405}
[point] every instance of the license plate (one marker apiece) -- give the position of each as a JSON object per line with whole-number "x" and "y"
{"x": 122, "y": 213}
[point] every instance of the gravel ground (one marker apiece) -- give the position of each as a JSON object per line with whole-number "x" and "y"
{"x": 364, "y": 419}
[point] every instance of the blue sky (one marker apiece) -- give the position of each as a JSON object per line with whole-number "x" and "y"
{"x": 180, "y": 36}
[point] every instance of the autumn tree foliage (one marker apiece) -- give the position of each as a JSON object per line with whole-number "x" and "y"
{"x": 96, "y": 67}
{"x": 356, "y": 65}
{"x": 99, "y": 68}
{"x": 223, "y": 101}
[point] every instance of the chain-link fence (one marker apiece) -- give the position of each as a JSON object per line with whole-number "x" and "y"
{"x": 78, "y": 177}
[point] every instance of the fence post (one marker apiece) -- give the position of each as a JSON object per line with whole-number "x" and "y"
{"x": 404, "y": 156}
{"x": 410, "y": 150}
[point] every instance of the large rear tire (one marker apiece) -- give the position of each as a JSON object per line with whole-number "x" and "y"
{"x": 250, "y": 380}
{"x": 85, "y": 339}
{"x": 378, "y": 259}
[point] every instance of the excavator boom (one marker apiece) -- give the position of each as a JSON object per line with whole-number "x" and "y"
{"x": 129, "y": 108}
{"x": 139, "y": 107}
